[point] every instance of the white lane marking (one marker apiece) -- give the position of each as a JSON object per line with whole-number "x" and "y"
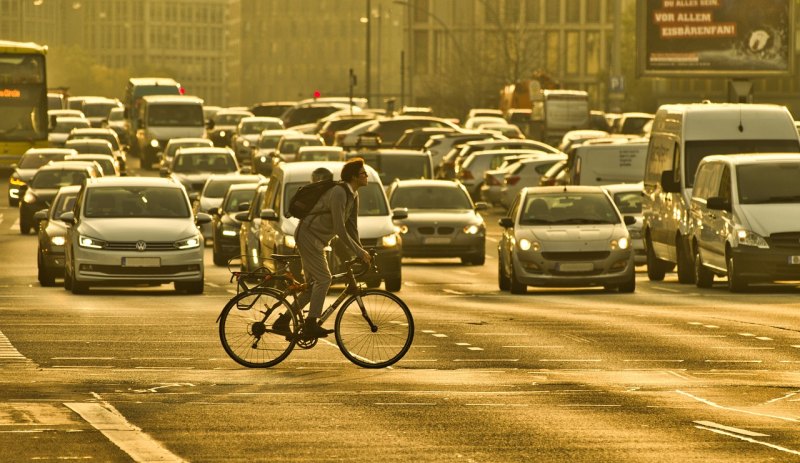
{"x": 452, "y": 291}
{"x": 742, "y": 348}
{"x": 748, "y": 412}
{"x": 15, "y": 224}
{"x": 82, "y": 358}
{"x": 410, "y": 283}
{"x": 713, "y": 327}
{"x": 439, "y": 335}
{"x": 570, "y": 360}
{"x": 763, "y": 338}
{"x": 486, "y": 360}
{"x": 655, "y": 360}
{"x": 669, "y": 290}
{"x": 475, "y": 348}
{"x": 791, "y": 394}
{"x": 232, "y": 291}
{"x": 733, "y": 361}
{"x": 743, "y": 432}
{"x": 8, "y": 351}
{"x": 748, "y": 439}
{"x": 406, "y": 404}
{"x": 796, "y": 346}
{"x": 463, "y": 344}
{"x": 137, "y": 444}
{"x": 428, "y": 331}
{"x": 695, "y": 336}
{"x": 534, "y": 347}
{"x": 695, "y": 323}
{"x": 675, "y": 373}
{"x": 1, "y": 218}
{"x": 497, "y": 334}
{"x": 747, "y": 334}
{"x": 213, "y": 285}
{"x": 589, "y": 405}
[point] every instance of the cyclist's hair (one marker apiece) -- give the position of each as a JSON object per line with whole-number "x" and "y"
{"x": 352, "y": 168}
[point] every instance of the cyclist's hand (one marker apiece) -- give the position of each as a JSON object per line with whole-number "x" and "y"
{"x": 366, "y": 256}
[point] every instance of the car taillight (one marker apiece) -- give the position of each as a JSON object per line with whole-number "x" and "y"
{"x": 511, "y": 181}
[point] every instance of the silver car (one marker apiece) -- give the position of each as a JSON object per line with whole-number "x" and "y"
{"x": 133, "y": 230}
{"x": 628, "y": 198}
{"x": 442, "y": 220}
{"x": 566, "y": 236}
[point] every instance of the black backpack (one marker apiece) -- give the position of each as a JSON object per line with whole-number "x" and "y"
{"x": 307, "y": 196}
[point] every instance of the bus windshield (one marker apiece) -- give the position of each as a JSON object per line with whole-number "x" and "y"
{"x": 23, "y": 97}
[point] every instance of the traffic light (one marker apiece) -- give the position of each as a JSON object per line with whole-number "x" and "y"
{"x": 317, "y": 94}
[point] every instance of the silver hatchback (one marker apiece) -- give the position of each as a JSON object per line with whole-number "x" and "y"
{"x": 567, "y": 236}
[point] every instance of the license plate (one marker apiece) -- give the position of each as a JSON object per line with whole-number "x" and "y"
{"x": 437, "y": 240}
{"x": 576, "y": 267}
{"x": 794, "y": 260}
{"x": 141, "y": 262}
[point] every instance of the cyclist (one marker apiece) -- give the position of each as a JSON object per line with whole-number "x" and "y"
{"x": 334, "y": 214}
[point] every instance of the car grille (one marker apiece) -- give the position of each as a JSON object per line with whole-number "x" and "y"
{"x": 117, "y": 270}
{"x": 436, "y": 231}
{"x": 131, "y": 246}
{"x": 576, "y": 256}
{"x": 785, "y": 240}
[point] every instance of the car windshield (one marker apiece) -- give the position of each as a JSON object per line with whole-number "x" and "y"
{"x": 320, "y": 156}
{"x": 116, "y": 114}
{"x": 54, "y": 179}
{"x": 430, "y": 197}
{"x": 291, "y": 146}
{"x": 37, "y": 160}
{"x": 106, "y": 164}
{"x": 567, "y": 208}
{"x": 173, "y": 147}
{"x": 398, "y": 167}
{"x": 97, "y": 109}
{"x": 136, "y": 201}
{"x": 269, "y": 142}
{"x": 64, "y": 203}
{"x": 175, "y": 115}
{"x": 218, "y": 187}
{"x": 697, "y": 150}
{"x": 228, "y": 119}
{"x": 66, "y": 126}
{"x": 252, "y": 128}
{"x": 237, "y": 197}
{"x": 107, "y": 136}
{"x": 629, "y": 202}
{"x": 371, "y": 199}
{"x": 204, "y": 162}
{"x": 91, "y": 148}
{"x": 769, "y": 183}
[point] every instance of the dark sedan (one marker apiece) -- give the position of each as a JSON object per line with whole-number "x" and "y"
{"x": 44, "y": 186}
{"x": 28, "y": 164}
{"x": 52, "y": 236}
{"x": 224, "y": 225}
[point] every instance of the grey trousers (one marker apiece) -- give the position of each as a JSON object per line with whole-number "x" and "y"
{"x": 316, "y": 271}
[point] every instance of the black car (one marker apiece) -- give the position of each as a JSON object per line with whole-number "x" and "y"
{"x": 222, "y": 126}
{"x": 52, "y": 236}
{"x": 224, "y": 225}
{"x": 44, "y": 186}
{"x": 28, "y": 164}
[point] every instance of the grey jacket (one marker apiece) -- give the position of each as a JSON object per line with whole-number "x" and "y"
{"x": 335, "y": 214}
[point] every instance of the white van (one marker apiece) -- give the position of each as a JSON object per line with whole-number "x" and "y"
{"x": 681, "y": 137}
{"x": 375, "y": 226}
{"x": 746, "y": 219}
{"x": 164, "y": 117}
{"x": 608, "y": 163}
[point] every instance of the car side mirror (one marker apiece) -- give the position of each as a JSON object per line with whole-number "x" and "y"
{"x": 242, "y": 216}
{"x": 244, "y": 206}
{"x": 40, "y": 215}
{"x": 210, "y": 125}
{"x": 202, "y": 218}
{"x": 629, "y": 220}
{"x": 506, "y": 222}
{"x": 213, "y": 211}
{"x": 194, "y": 196}
{"x": 68, "y": 218}
{"x": 718, "y": 204}
{"x": 481, "y": 206}
{"x": 269, "y": 215}
{"x": 668, "y": 183}
{"x": 399, "y": 213}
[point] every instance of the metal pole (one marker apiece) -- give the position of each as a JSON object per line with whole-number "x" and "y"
{"x": 402, "y": 78}
{"x": 369, "y": 22}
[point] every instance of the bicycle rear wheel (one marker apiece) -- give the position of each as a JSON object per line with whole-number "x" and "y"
{"x": 376, "y": 333}
{"x": 248, "y": 332}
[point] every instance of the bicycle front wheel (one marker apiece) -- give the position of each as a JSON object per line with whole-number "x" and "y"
{"x": 374, "y": 329}
{"x": 256, "y": 328}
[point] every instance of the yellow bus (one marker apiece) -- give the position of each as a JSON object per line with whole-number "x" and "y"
{"x": 23, "y": 100}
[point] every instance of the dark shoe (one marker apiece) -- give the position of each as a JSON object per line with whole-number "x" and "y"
{"x": 312, "y": 330}
{"x": 281, "y": 325}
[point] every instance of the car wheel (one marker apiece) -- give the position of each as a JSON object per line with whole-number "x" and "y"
{"x": 79, "y": 287}
{"x": 736, "y": 283}
{"x": 514, "y": 285}
{"x": 703, "y": 277}
{"x": 190, "y": 287}
{"x": 393, "y": 284}
{"x": 655, "y": 266}
{"x": 67, "y": 278}
{"x": 13, "y": 202}
{"x": 685, "y": 264}
{"x": 219, "y": 260}
{"x": 24, "y": 227}
{"x": 629, "y": 286}
{"x": 503, "y": 282}
{"x": 46, "y": 278}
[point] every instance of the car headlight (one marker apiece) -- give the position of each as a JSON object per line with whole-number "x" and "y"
{"x": 29, "y": 198}
{"x": 58, "y": 241}
{"x": 16, "y": 181}
{"x": 246, "y": 143}
{"x": 748, "y": 238}
{"x": 263, "y": 159}
{"x": 389, "y": 241}
{"x": 93, "y": 243}
{"x": 154, "y": 143}
{"x": 221, "y": 133}
{"x": 472, "y": 229}
{"x": 188, "y": 243}
{"x": 227, "y": 230}
{"x": 289, "y": 242}
{"x": 621, "y": 243}
{"x": 528, "y": 245}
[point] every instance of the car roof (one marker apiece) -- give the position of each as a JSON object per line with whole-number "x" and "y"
{"x": 564, "y": 189}
{"x": 296, "y": 171}
{"x": 260, "y": 119}
{"x": 94, "y": 130}
{"x": 244, "y": 186}
{"x": 300, "y": 136}
{"x": 190, "y": 140}
{"x": 332, "y": 149}
{"x": 65, "y": 165}
{"x": 386, "y": 152}
{"x": 427, "y": 182}
{"x": 173, "y": 99}
{"x": 87, "y": 141}
{"x": 65, "y": 151}
{"x": 205, "y": 149}
{"x": 759, "y": 158}
{"x": 623, "y": 187}
{"x": 132, "y": 181}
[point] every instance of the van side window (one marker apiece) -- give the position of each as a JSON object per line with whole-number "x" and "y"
{"x": 676, "y": 163}
{"x": 701, "y": 182}
{"x": 725, "y": 185}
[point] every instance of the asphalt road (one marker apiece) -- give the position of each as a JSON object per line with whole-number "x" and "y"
{"x": 669, "y": 373}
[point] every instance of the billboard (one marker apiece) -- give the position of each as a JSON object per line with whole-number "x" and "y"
{"x": 731, "y": 38}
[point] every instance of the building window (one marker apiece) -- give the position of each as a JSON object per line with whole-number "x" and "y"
{"x": 573, "y": 11}
{"x": 512, "y": 11}
{"x": 552, "y": 52}
{"x": 552, "y": 12}
{"x": 421, "y": 10}
{"x": 421, "y": 52}
{"x": 593, "y": 11}
{"x": 573, "y": 47}
{"x": 532, "y": 13}
{"x": 592, "y": 53}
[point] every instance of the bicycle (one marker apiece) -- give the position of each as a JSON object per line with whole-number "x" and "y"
{"x": 373, "y": 328}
